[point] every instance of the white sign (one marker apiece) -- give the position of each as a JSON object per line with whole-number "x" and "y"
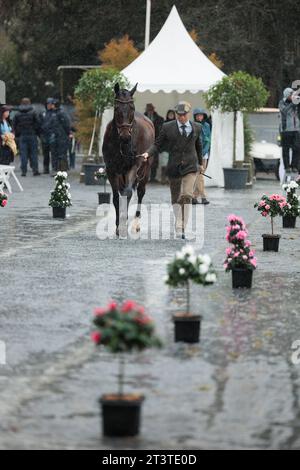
{"x": 296, "y": 355}
{"x": 2, "y": 353}
{"x": 2, "y": 92}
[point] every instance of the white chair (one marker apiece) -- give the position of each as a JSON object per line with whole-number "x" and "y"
{"x": 6, "y": 172}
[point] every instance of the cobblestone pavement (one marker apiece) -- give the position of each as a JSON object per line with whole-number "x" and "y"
{"x": 238, "y": 389}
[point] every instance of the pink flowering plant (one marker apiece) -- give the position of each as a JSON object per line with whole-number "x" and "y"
{"x": 3, "y": 199}
{"x": 123, "y": 329}
{"x": 292, "y": 208}
{"x": 240, "y": 255}
{"x": 271, "y": 206}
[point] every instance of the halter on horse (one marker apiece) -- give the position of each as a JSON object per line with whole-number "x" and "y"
{"x": 127, "y": 136}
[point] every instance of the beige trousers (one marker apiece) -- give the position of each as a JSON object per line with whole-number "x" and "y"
{"x": 181, "y": 196}
{"x": 199, "y": 189}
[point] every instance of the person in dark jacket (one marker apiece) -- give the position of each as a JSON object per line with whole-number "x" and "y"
{"x": 290, "y": 130}
{"x": 170, "y": 116}
{"x": 182, "y": 139}
{"x": 46, "y": 120}
{"x": 157, "y": 121}
{"x": 26, "y": 128}
{"x": 62, "y": 134}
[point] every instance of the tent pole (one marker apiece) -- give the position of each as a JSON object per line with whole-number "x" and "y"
{"x": 148, "y": 21}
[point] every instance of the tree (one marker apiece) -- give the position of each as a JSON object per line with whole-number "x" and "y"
{"x": 97, "y": 87}
{"x": 237, "y": 92}
{"x": 10, "y": 70}
{"x": 260, "y": 37}
{"x": 95, "y": 91}
{"x": 118, "y": 53}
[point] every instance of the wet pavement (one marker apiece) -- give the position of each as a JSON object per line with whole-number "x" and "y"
{"x": 237, "y": 389}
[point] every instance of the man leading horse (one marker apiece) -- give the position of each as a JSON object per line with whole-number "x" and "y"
{"x": 182, "y": 139}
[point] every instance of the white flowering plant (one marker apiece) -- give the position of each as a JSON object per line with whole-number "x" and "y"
{"x": 61, "y": 196}
{"x": 292, "y": 209}
{"x": 101, "y": 176}
{"x": 188, "y": 267}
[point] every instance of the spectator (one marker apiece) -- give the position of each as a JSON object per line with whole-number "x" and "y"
{"x": 72, "y": 148}
{"x": 290, "y": 130}
{"x": 200, "y": 116}
{"x": 62, "y": 134}
{"x": 26, "y": 128}
{"x": 8, "y": 148}
{"x": 171, "y": 116}
{"x": 47, "y": 135}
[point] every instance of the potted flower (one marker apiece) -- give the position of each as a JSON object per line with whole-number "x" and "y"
{"x": 291, "y": 211}
{"x": 3, "y": 199}
{"x": 122, "y": 329}
{"x": 60, "y": 198}
{"x": 184, "y": 269}
{"x": 271, "y": 206}
{"x": 101, "y": 176}
{"x": 237, "y": 92}
{"x": 240, "y": 259}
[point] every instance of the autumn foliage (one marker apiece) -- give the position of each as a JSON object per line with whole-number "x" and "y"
{"x": 119, "y": 53}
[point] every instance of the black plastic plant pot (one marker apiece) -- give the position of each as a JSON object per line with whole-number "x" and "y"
{"x": 271, "y": 242}
{"x": 59, "y": 212}
{"x": 235, "y": 178}
{"x": 104, "y": 198}
{"x": 187, "y": 328}
{"x": 289, "y": 222}
{"x": 89, "y": 173}
{"x": 242, "y": 278}
{"x": 121, "y": 416}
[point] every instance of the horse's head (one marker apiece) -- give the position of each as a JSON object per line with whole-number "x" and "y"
{"x": 124, "y": 112}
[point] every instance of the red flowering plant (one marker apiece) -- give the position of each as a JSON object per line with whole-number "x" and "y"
{"x": 3, "y": 199}
{"x": 240, "y": 255}
{"x": 271, "y": 206}
{"x": 123, "y": 329}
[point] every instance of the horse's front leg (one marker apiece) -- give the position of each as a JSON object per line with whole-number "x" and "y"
{"x": 141, "y": 190}
{"x": 115, "y": 189}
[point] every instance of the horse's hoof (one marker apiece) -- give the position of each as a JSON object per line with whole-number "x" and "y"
{"x": 123, "y": 231}
{"x": 136, "y": 226}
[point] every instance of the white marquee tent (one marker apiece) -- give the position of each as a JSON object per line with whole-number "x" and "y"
{"x": 173, "y": 68}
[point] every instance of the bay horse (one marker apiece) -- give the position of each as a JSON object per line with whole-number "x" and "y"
{"x": 126, "y": 138}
